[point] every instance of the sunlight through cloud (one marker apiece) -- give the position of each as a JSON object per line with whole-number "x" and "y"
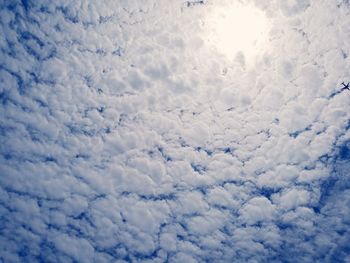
{"x": 237, "y": 29}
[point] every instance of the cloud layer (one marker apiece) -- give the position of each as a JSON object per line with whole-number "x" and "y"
{"x": 124, "y": 136}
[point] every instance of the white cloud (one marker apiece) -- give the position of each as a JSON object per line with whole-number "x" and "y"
{"x": 258, "y": 209}
{"x": 125, "y": 137}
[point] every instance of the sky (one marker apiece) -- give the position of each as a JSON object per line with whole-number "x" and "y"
{"x": 129, "y": 134}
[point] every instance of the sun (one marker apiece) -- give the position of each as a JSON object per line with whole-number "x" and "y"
{"x": 237, "y": 29}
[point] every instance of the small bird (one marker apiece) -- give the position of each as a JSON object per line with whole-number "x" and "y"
{"x": 346, "y": 86}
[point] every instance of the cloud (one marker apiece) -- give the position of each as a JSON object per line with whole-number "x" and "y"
{"x": 125, "y": 137}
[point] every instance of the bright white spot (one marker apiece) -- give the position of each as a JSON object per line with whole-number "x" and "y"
{"x": 237, "y": 28}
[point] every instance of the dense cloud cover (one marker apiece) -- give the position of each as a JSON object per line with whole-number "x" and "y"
{"x": 124, "y": 136}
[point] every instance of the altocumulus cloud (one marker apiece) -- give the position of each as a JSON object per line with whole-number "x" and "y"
{"x": 125, "y": 138}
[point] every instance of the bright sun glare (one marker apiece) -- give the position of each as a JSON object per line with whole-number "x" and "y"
{"x": 238, "y": 28}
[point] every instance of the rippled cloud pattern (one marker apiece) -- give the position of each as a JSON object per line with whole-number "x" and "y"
{"x": 125, "y": 138}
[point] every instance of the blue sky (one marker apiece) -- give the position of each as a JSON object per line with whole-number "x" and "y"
{"x": 126, "y": 137}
